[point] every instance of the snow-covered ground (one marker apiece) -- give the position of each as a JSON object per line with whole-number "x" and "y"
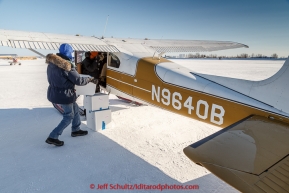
{"x": 242, "y": 69}
{"x": 143, "y": 146}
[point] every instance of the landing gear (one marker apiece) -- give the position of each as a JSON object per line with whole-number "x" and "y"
{"x": 130, "y": 101}
{"x": 14, "y": 63}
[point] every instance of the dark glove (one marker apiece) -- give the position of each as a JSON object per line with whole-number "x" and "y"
{"x": 90, "y": 79}
{"x": 93, "y": 80}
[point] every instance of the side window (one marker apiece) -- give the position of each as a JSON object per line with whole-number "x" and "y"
{"x": 113, "y": 60}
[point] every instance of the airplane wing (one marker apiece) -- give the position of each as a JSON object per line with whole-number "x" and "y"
{"x": 164, "y": 46}
{"x": 191, "y": 45}
{"x": 251, "y": 155}
{"x": 37, "y": 40}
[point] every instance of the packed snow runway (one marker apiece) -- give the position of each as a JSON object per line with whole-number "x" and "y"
{"x": 143, "y": 146}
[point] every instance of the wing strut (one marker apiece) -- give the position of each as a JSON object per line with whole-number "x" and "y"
{"x": 36, "y": 52}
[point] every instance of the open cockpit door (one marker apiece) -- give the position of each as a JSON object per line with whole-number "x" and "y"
{"x": 117, "y": 71}
{"x": 92, "y": 63}
{"x": 252, "y": 155}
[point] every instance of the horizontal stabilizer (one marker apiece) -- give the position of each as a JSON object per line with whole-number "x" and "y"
{"x": 252, "y": 155}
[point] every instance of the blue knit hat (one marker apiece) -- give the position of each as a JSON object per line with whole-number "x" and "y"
{"x": 66, "y": 50}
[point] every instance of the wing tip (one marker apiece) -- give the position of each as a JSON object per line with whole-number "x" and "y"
{"x": 245, "y": 46}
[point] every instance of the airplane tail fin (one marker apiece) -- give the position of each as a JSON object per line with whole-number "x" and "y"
{"x": 272, "y": 91}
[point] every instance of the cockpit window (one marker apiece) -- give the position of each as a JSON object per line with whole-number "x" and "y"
{"x": 113, "y": 60}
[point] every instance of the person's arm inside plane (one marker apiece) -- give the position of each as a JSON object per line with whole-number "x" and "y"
{"x": 88, "y": 63}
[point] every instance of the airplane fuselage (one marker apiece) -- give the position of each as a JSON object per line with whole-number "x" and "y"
{"x": 167, "y": 85}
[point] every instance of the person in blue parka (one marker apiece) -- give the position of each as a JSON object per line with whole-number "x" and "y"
{"x": 62, "y": 77}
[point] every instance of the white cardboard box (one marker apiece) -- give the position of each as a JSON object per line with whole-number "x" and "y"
{"x": 97, "y": 101}
{"x": 88, "y": 89}
{"x": 98, "y": 120}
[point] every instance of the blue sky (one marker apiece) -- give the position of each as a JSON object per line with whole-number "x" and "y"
{"x": 263, "y": 25}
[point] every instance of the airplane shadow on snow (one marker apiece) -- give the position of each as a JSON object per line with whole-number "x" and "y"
{"x": 29, "y": 163}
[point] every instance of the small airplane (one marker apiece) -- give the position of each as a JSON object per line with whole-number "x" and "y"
{"x": 14, "y": 61}
{"x": 250, "y": 152}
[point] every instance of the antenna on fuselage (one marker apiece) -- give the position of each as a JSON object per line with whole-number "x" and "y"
{"x": 105, "y": 26}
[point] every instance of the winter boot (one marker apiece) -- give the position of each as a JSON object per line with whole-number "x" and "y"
{"x": 54, "y": 141}
{"x": 78, "y": 133}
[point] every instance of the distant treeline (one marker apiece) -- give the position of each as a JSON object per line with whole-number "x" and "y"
{"x": 19, "y": 57}
{"x": 198, "y": 55}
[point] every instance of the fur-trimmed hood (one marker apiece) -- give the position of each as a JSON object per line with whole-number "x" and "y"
{"x": 58, "y": 61}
